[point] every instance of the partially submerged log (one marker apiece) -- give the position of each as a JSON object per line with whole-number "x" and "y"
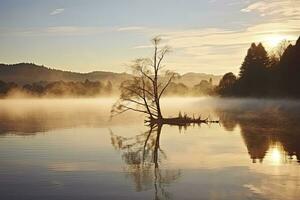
{"x": 181, "y": 121}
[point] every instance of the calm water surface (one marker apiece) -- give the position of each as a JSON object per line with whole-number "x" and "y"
{"x": 68, "y": 149}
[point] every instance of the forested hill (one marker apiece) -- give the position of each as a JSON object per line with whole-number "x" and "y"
{"x": 27, "y": 73}
{"x": 265, "y": 74}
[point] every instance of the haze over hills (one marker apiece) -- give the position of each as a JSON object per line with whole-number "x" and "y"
{"x": 27, "y": 73}
{"x": 190, "y": 79}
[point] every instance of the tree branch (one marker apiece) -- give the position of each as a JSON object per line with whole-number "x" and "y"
{"x": 145, "y": 100}
{"x": 149, "y": 77}
{"x": 133, "y": 91}
{"x": 160, "y": 59}
{"x": 133, "y": 101}
{"x": 134, "y": 109}
{"x": 165, "y": 87}
{"x": 143, "y": 89}
{"x": 118, "y": 113}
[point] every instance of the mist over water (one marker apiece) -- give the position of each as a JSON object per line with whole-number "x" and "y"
{"x": 69, "y": 148}
{"x": 38, "y": 115}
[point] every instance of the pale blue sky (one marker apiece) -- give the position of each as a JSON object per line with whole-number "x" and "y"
{"x": 84, "y": 35}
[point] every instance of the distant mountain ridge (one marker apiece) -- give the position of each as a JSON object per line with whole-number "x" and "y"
{"x": 26, "y": 73}
{"x": 192, "y": 78}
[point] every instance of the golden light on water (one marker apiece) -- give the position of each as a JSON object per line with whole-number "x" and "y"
{"x": 276, "y": 155}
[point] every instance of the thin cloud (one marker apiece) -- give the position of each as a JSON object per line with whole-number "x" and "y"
{"x": 211, "y": 49}
{"x": 277, "y": 8}
{"x": 143, "y": 47}
{"x": 131, "y": 28}
{"x": 55, "y": 31}
{"x": 216, "y": 49}
{"x": 57, "y": 11}
{"x": 72, "y": 30}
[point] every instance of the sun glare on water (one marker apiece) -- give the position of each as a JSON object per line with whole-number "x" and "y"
{"x": 276, "y": 155}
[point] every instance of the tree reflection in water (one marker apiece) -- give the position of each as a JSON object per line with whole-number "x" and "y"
{"x": 143, "y": 155}
{"x": 270, "y": 133}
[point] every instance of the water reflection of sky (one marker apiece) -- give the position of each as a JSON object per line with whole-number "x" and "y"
{"x": 69, "y": 154}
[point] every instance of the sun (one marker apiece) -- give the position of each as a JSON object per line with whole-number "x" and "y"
{"x": 273, "y": 41}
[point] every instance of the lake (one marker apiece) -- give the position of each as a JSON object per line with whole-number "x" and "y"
{"x": 69, "y": 149}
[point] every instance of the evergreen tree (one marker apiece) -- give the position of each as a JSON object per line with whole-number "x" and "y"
{"x": 254, "y": 72}
{"x": 289, "y": 69}
{"x": 245, "y": 68}
{"x": 227, "y": 84}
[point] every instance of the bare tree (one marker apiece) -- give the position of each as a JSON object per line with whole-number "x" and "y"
{"x": 278, "y": 51}
{"x": 143, "y": 93}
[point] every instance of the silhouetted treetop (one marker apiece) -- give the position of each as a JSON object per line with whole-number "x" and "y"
{"x": 289, "y": 69}
{"x": 262, "y": 74}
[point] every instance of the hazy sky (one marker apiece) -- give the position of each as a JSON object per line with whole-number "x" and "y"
{"x": 209, "y": 36}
